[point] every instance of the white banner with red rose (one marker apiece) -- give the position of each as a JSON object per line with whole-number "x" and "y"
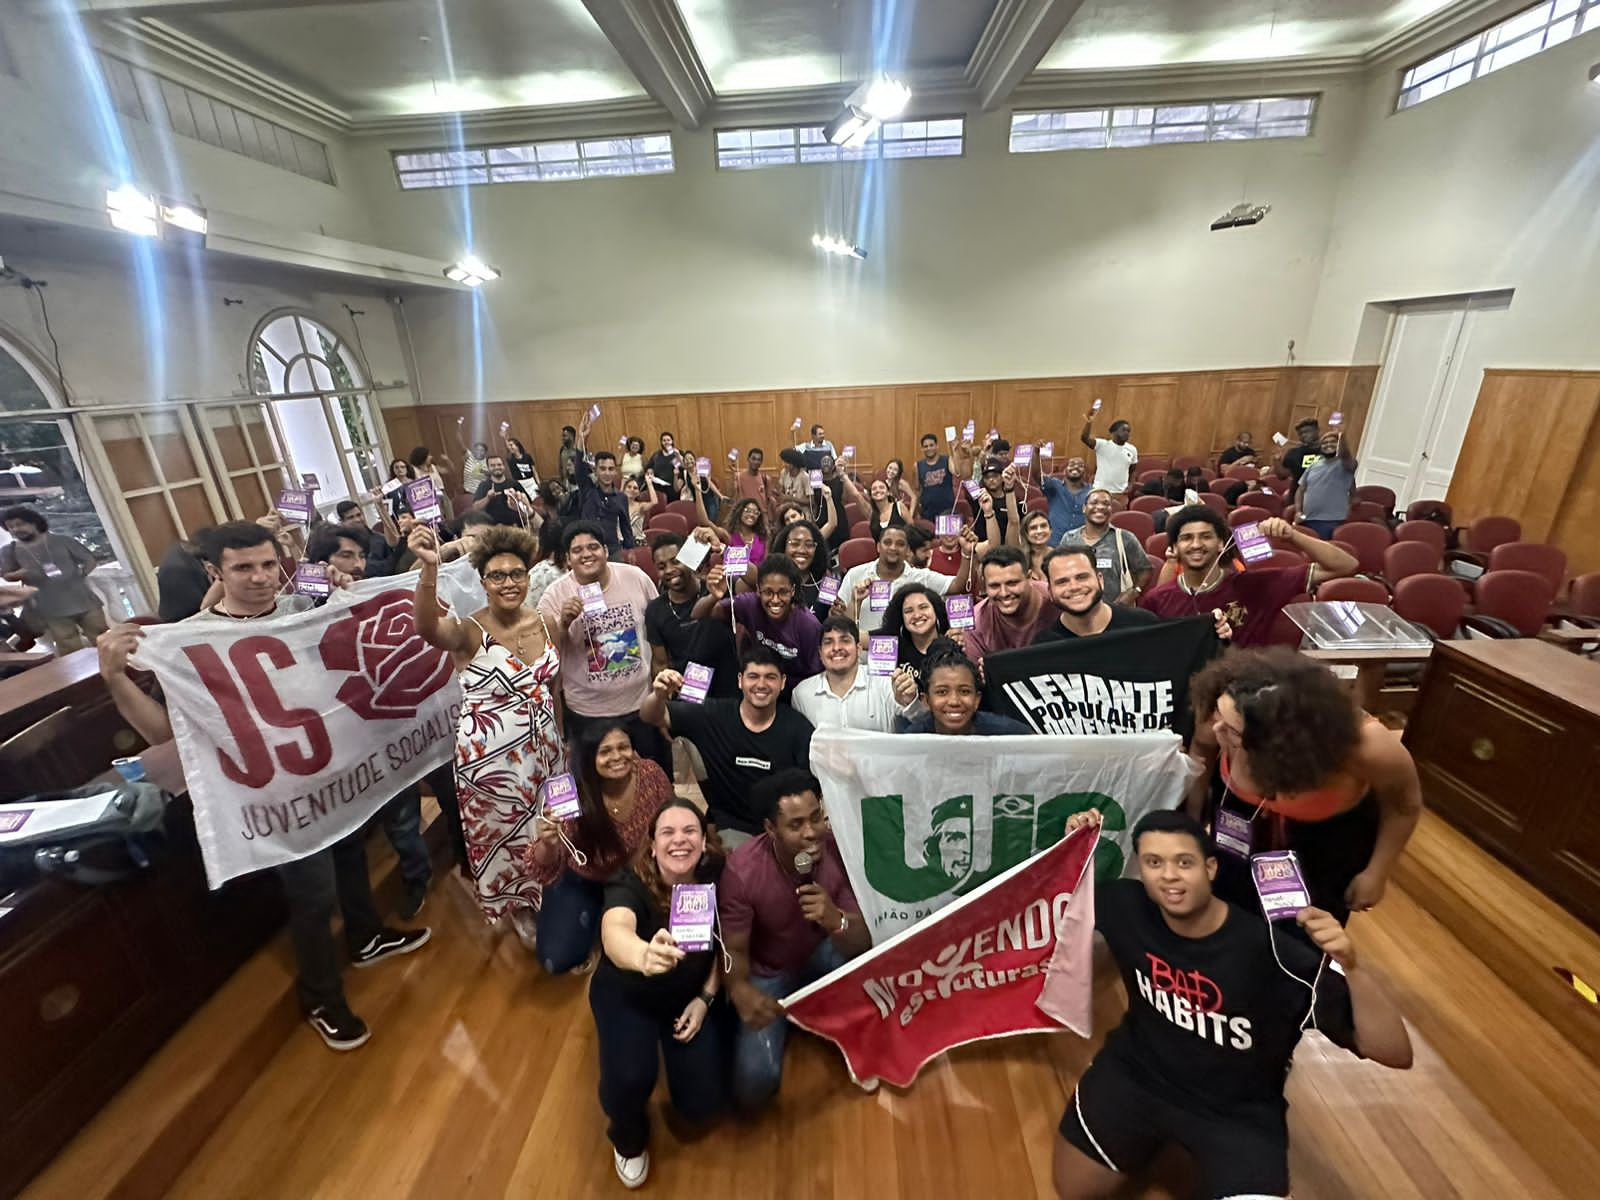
{"x": 294, "y": 730}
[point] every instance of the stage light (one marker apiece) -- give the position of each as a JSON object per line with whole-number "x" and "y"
{"x": 178, "y": 215}
{"x": 869, "y": 106}
{"x": 133, "y": 211}
{"x": 1240, "y": 215}
{"x": 471, "y": 271}
{"x": 832, "y": 245}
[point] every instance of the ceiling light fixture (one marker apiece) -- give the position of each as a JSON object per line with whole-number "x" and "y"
{"x": 133, "y": 211}
{"x": 832, "y": 245}
{"x": 869, "y": 106}
{"x": 1240, "y": 215}
{"x": 472, "y": 271}
{"x": 175, "y": 214}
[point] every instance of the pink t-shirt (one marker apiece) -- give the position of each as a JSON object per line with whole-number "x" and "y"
{"x": 605, "y": 657}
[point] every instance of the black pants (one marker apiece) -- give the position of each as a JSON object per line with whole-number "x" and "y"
{"x": 312, "y": 885}
{"x": 648, "y": 741}
{"x": 631, "y": 1041}
{"x": 442, "y": 779}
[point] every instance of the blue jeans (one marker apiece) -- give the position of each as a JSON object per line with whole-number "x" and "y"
{"x": 758, "y": 1055}
{"x": 569, "y": 922}
{"x": 402, "y": 824}
{"x": 1323, "y": 529}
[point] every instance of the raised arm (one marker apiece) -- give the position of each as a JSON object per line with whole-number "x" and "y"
{"x": 461, "y": 437}
{"x": 1379, "y": 1028}
{"x": 445, "y": 632}
{"x": 1327, "y": 560}
{"x": 137, "y": 707}
{"x": 654, "y": 709}
{"x": 1087, "y": 436}
{"x": 831, "y": 514}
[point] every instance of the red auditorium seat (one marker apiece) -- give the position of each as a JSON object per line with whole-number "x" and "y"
{"x": 1285, "y": 558}
{"x": 1214, "y": 502}
{"x": 1511, "y": 603}
{"x": 1246, "y": 513}
{"x": 1364, "y": 591}
{"x": 1149, "y": 504}
{"x": 1156, "y": 547}
{"x": 1484, "y": 534}
{"x": 1549, "y": 561}
{"x": 1436, "y": 511}
{"x": 1137, "y": 523}
{"x": 1242, "y": 471}
{"x": 686, "y": 510}
{"x": 644, "y": 558}
{"x": 1584, "y": 595}
{"x": 1435, "y": 602}
{"x": 1405, "y": 559}
{"x": 1378, "y": 495}
{"x": 861, "y": 529}
{"x": 1369, "y": 541}
{"x": 1268, "y": 500}
{"x": 668, "y": 522}
{"x": 856, "y": 551}
{"x": 1366, "y": 510}
{"x": 1421, "y": 531}
{"x": 1185, "y": 461}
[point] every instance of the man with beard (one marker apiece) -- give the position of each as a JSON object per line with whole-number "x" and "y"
{"x": 1217, "y": 1001}
{"x": 500, "y": 495}
{"x": 845, "y": 695}
{"x": 936, "y": 487}
{"x": 1013, "y": 610}
{"x": 63, "y": 604}
{"x": 677, "y": 637}
{"x": 789, "y": 917}
{"x": 1066, "y": 496}
{"x": 1202, "y": 574}
{"x": 1074, "y": 582}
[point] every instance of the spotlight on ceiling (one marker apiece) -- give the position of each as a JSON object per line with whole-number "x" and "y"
{"x": 133, "y": 211}
{"x": 832, "y": 245}
{"x": 1240, "y": 215}
{"x": 869, "y": 106}
{"x": 175, "y": 214}
{"x": 471, "y": 271}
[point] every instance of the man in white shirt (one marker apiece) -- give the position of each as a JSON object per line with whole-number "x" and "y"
{"x": 818, "y": 448}
{"x": 845, "y": 695}
{"x": 891, "y": 568}
{"x": 1114, "y": 457}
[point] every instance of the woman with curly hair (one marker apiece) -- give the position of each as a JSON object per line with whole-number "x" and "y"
{"x": 652, "y": 999}
{"x": 802, "y": 543}
{"x": 916, "y": 616}
{"x": 1303, "y": 769}
{"x": 508, "y": 741}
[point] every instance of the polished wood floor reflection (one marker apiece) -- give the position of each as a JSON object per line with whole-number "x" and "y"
{"x": 480, "y": 1081}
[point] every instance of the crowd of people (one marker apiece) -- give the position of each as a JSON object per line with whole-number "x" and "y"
{"x": 636, "y": 663}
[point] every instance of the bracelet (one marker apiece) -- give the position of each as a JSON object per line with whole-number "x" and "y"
{"x": 708, "y": 998}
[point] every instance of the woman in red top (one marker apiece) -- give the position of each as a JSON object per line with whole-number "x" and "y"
{"x": 1303, "y": 769}
{"x": 619, "y": 794}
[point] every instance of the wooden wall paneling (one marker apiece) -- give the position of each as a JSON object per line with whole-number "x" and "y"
{"x": 1245, "y": 400}
{"x": 401, "y": 427}
{"x": 864, "y": 417}
{"x": 933, "y": 406}
{"x": 648, "y": 417}
{"x": 1525, "y": 417}
{"x": 1150, "y": 404}
{"x": 1041, "y": 410}
{"x": 1198, "y": 425}
{"x": 744, "y": 422}
{"x": 1579, "y": 515}
{"x": 1355, "y": 400}
{"x": 1316, "y": 393}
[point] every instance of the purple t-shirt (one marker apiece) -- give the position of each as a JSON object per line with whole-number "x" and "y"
{"x": 757, "y": 897}
{"x": 795, "y": 640}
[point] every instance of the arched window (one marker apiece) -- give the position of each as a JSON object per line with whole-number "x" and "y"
{"x": 319, "y": 391}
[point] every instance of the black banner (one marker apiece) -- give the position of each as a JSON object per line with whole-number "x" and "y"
{"x": 1130, "y": 681}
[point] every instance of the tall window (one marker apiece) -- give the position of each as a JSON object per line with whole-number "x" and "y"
{"x": 321, "y": 400}
{"x": 1546, "y": 24}
{"x": 38, "y": 467}
{"x": 1162, "y": 124}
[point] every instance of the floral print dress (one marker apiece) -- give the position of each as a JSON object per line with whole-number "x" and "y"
{"x": 507, "y": 745}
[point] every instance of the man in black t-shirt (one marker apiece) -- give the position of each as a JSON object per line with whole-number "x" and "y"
{"x": 500, "y": 495}
{"x": 1079, "y": 595}
{"x": 1240, "y": 451}
{"x": 1217, "y": 1000}
{"x": 740, "y": 741}
{"x": 677, "y": 637}
{"x": 1307, "y": 453}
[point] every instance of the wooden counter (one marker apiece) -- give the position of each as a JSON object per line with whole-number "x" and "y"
{"x": 1506, "y": 735}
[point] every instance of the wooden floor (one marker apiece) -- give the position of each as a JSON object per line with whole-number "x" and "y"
{"x": 480, "y": 1082}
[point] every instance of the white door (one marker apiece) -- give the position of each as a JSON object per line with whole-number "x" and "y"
{"x": 1432, "y": 369}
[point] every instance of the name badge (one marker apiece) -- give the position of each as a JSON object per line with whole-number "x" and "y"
{"x": 693, "y": 915}
{"x": 1280, "y": 885}
{"x": 878, "y": 597}
{"x": 561, "y": 798}
{"x": 1232, "y": 833}
{"x": 51, "y": 571}
{"x": 1104, "y": 561}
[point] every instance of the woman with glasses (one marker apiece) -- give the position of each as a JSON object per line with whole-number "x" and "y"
{"x": 508, "y": 741}
{"x": 806, "y": 546}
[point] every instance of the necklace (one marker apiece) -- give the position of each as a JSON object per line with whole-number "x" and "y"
{"x": 222, "y": 608}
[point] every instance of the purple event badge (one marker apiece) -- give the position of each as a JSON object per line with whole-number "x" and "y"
{"x": 883, "y": 653}
{"x": 735, "y": 560}
{"x": 816, "y": 481}
{"x": 423, "y": 499}
{"x": 561, "y": 798}
{"x": 1279, "y": 884}
{"x": 295, "y": 504}
{"x": 693, "y": 916}
{"x": 959, "y": 610}
{"x": 1023, "y": 456}
{"x": 948, "y": 525}
{"x": 311, "y": 579}
{"x": 696, "y": 683}
{"x": 878, "y": 597}
{"x": 702, "y": 468}
{"x": 593, "y": 597}
{"x": 1232, "y": 833}
{"x": 828, "y": 589}
{"x": 972, "y": 487}
{"x": 14, "y": 819}
{"x": 1251, "y": 542}
{"x": 1048, "y": 450}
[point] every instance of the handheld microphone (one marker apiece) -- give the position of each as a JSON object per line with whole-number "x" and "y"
{"x": 803, "y": 865}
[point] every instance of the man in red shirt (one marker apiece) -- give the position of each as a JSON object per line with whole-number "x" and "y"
{"x": 1203, "y": 573}
{"x": 788, "y": 918}
{"x": 751, "y": 484}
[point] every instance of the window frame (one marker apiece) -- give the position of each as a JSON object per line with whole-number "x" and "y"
{"x": 1585, "y": 17}
{"x": 877, "y": 140}
{"x": 1210, "y": 103}
{"x": 484, "y": 163}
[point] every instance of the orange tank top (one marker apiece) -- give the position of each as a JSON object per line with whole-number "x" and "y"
{"x": 1342, "y": 792}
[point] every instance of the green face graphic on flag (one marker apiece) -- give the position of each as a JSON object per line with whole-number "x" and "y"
{"x": 966, "y": 841}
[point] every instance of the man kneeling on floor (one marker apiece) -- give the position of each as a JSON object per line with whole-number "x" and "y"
{"x": 1217, "y": 1000}
{"x": 788, "y": 918}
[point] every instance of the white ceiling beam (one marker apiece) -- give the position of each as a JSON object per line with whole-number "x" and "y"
{"x": 187, "y": 8}
{"x": 653, "y": 41}
{"x": 1018, "y": 36}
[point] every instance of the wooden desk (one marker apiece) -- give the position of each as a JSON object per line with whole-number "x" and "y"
{"x": 1579, "y": 641}
{"x": 1369, "y": 665}
{"x": 99, "y": 734}
{"x": 1506, "y": 735}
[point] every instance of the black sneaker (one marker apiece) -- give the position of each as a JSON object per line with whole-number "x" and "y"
{"x": 412, "y": 897}
{"x": 339, "y": 1027}
{"x": 389, "y": 943}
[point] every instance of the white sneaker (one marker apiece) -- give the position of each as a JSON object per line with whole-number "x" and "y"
{"x": 632, "y": 1171}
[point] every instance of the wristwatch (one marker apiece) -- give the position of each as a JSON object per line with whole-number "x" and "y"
{"x": 708, "y": 998}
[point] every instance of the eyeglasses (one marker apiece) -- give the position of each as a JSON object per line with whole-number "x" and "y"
{"x": 776, "y": 593}
{"x": 515, "y": 575}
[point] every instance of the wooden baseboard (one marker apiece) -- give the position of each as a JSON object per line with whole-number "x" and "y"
{"x": 1515, "y": 929}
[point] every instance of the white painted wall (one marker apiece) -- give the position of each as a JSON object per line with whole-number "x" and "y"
{"x": 1493, "y": 185}
{"x": 994, "y": 265}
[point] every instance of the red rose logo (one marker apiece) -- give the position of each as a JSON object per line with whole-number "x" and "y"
{"x": 392, "y": 669}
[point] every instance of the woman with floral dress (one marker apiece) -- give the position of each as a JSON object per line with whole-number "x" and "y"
{"x": 508, "y": 742}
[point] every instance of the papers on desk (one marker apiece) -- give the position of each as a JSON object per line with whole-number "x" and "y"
{"x": 1353, "y": 625}
{"x": 29, "y": 822}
